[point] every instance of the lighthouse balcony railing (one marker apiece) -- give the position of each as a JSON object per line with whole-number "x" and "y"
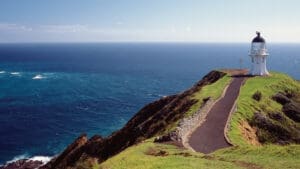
{"x": 259, "y": 52}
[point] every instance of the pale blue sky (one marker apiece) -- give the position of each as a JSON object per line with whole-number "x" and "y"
{"x": 148, "y": 20}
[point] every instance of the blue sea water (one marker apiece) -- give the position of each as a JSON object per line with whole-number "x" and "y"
{"x": 51, "y": 93}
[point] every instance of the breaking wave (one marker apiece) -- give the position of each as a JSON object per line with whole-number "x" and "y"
{"x": 15, "y": 73}
{"x": 38, "y": 77}
{"x": 43, "y": 159}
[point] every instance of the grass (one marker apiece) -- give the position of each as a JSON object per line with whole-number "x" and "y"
{"x": 137, "y": 157}
{"x": 149, "y": 155}
{"x": 214, "y": 91}
{"x": 247, "y": 106}
{"x": 268, "y": 157}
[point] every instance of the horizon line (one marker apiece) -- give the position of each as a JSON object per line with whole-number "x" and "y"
{"x": 142, "y": 41}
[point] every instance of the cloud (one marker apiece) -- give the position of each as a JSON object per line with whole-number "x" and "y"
{"x": 173, "y": 29}
{"x": 188, "y": 28}
{"x": 119, "y": 23}
{"x": 11, "y": 32}
{"x": 63, "y": 28}
{"x": 14, "y": 27}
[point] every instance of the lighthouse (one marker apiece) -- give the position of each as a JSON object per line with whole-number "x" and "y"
{"x": 259, "y": 56}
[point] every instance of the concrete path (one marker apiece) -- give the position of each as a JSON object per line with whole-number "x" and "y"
{"x": 210, "y": 135}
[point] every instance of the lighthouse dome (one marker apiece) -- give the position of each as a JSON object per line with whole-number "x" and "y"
{"x": 258, "y": 38}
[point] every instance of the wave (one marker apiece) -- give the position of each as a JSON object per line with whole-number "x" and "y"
{"x": 43, "y": 159}
{"x": 15, "y": 73}
{"x": 17, "y": 158}
{"x": 38, "y": 77}
{"x": 156, "y": 95}
{"x": 2, "y": 72}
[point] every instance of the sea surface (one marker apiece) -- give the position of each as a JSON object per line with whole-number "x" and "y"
{"x": 51, "y": 93}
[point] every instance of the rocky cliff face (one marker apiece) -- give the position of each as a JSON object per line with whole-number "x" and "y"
{"x": 151, "y": 120}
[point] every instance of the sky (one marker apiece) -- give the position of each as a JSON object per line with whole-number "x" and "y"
{"x": 148, "y": 20}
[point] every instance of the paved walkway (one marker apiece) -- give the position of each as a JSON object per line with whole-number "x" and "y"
{"x": 210, "y": 135}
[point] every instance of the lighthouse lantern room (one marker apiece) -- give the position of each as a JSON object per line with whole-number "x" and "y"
{"x": 258, "y": 56}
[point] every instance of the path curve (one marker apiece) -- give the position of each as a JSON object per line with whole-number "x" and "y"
{"x": 210, "y": 135}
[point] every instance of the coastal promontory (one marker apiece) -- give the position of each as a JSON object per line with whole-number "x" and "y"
{"x": 228, "y": 119}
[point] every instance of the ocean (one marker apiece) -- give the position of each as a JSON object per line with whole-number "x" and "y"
{"x": 51, "y": 93}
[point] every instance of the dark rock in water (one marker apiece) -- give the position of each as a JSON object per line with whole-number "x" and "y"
{"x": 292, "y": 110}
{"x": 149, "y": 121}
{"x": 281, "y": 98}
{"x": 23, "y": 164}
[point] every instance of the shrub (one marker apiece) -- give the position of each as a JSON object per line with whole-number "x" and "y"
{"x": 257, "y": 96}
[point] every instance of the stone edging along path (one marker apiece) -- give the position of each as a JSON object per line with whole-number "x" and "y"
{"x": 188, "y": 125}
{"x": 233, "y": 109}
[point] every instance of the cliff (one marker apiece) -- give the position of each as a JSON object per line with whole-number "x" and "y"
{"x": 151, "y": 120}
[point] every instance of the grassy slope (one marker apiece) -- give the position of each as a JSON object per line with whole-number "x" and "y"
{"x": 137, "y": 157}
{"x": 241, "y": 156}
{"x": 214, "y": 91}
{"x": 247, "y": 106}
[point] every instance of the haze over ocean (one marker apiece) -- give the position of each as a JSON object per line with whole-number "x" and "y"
{"x": 51, "y": 93}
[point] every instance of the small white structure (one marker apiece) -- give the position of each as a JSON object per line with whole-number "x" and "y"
{"x": 258, "y": 56}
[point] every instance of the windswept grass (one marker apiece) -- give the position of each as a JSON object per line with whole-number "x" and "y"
{"x": 268, "y": 157}
{"x": 247, "y": 106}
{"x": 137, "y": 157}
{"x": 214, "y": 91}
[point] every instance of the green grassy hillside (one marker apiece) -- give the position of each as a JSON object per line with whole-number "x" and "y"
{"x": 254, "y": 146}
{"x": 247, "y": 106}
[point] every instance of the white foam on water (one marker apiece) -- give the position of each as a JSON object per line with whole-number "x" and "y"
{"x": 15, "y": 73}
{"x": 43, "y": 159}
{"x": 17, "y": 158}
{"x": 2, "y": 72}
{"x": 38, "y": 77}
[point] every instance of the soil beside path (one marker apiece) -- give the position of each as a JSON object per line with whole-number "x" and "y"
{"x": 210, "y": 135}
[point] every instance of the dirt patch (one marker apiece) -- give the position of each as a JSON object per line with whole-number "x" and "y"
{"x": 249, "y": 133}
{"x": 234, "y": 72}
{"x": 209, "y": 157}
{"x": 184, "y": 154}
{"x": 247, "y": 165}
{"x": 156, "y": 152}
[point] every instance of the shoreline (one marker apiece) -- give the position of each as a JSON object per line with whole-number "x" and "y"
{"x": 24, "y": 160}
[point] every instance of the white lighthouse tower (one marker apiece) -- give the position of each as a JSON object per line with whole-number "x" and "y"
{"x": 258, "y": 56}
